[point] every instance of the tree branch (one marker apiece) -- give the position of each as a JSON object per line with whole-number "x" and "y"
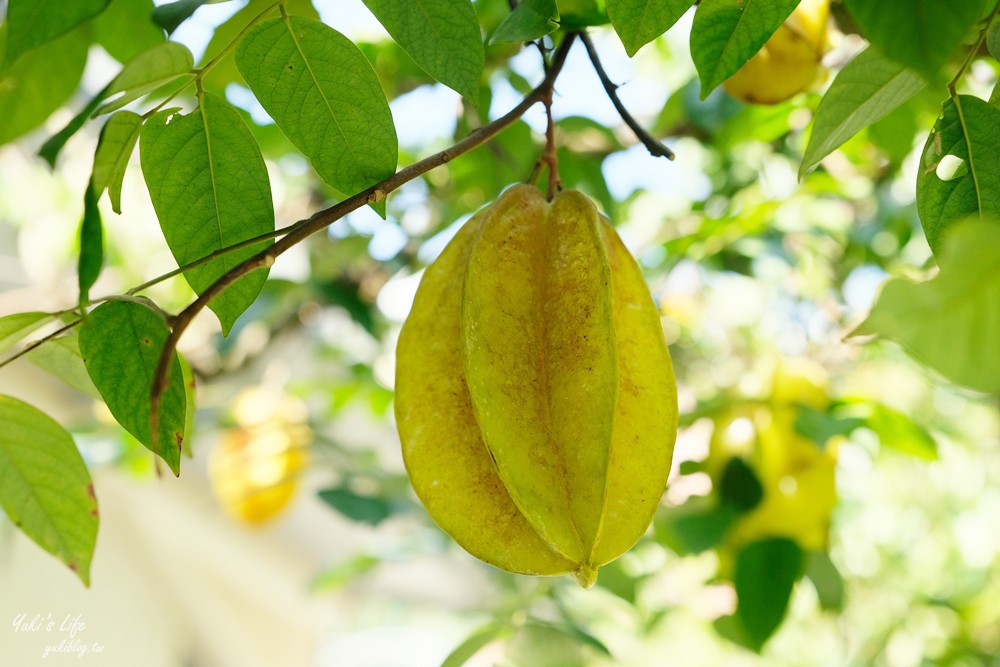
{"x": 652, "y": 144}
{"x": 322, "y": 219}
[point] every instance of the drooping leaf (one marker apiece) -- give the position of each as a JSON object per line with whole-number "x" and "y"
{"x": 170, "y": 15}
{"x": 154, "y": 67}
{"x": 474, "y": 643}
{"x": 639, "y": 22}
{"x": 53, "y": 145}
{"x": 921, "y": 34}
{"x": 366, "y": 509}
{"x": 15, "y": 327}
{"x": 31, "y": 23}
{"x": 39, "y": 83}
{"x": 529, "y": 21}
{"x": 950, "y": 322}
{"x": 91, "y": 244}
{"x": 45, "y": 488}
{"x": 121, "y": 342}
{"x": 126, "y": 28}
{"x": 322, "y": 92}
{"x": 971, "y": 139}
{"x": 865, "y": 91}
{"x": 210, "y": 189}
{"x": 114, "y": 148}
{"x": 765, "y": 573}
{"x": 442, "y": 36}
{"x": 62, "y": 358}
{"x": 727, "y": 33}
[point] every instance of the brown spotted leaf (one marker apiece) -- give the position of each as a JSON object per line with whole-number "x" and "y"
{"x": 121, "y": 343}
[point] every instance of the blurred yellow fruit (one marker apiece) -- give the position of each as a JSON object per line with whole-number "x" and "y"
{"x": 253, "y": 467}
{"x": 790, "y": 61}
{"x": 797, "y": 474}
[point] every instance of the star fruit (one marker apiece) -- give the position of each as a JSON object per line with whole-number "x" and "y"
{"x": 535, "y": 397}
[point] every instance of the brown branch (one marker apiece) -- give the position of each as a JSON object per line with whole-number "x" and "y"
{"x": 322, "y": 219}
{"x": 652, "y": 144}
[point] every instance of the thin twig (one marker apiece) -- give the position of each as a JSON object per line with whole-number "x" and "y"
{"x": 35, "y": 343}
{"x": 652, "y": 144}
{"x": 322, "y": 219}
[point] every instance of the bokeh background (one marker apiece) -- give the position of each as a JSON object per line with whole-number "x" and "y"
{"x": 293, "y": 538}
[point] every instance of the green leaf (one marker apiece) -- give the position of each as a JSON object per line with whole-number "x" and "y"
{"x": 366, "y": 509}
{"x": 639, "y": 22}
{"x": 15, "y": 327}
{"x": 971, "y": 139}
{"x": 62, "y": 358}
{"x": 442, "y": 36}
{"x": 897, "y": 431}
{"x": 39, "y": 83}
{"x": 581, "y": 14}
{"x": 126, "y": 28}
{"x": 45, "y": 488}
{"x": 340, "y": 574}
{"x": 739, "y": 485}
{"x": 121, "y": 342}
{"x": 91, "y": 244}
{"x": 114, "y": 148}
{"x": 210, "y": 189}
{"x": 950, "y": 322}
{"x": 865, "y": 91}
{"x": 820, "y": 425}
{"x": 322, "y": 92}
{"x": 51, "y": 148}
{"x": 764, "y": 575}
{"x": 542, "y": 644}
{"x": 170, "y": 15}
{"x": 224, "y": 71}
{"x": 894, "y": 429}
{"x": 530, "y": 20}
{"x": 993, "y": 41}
{"x": 921, "y": 34}
{"x": 31, "y": 23}
{"x": 727, "y": 33}
{"x": 826, "y": 579}
{"x": 473, "y": 644}
{"x": 697, "y": 526}
{"x": 148, "y": 71}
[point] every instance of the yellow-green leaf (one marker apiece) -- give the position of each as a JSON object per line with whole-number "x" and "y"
{"x": 45, "y": 488}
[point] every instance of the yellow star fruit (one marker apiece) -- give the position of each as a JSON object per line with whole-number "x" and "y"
{"x": 789, "y": 62}
{"x": 535, "y": 397}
